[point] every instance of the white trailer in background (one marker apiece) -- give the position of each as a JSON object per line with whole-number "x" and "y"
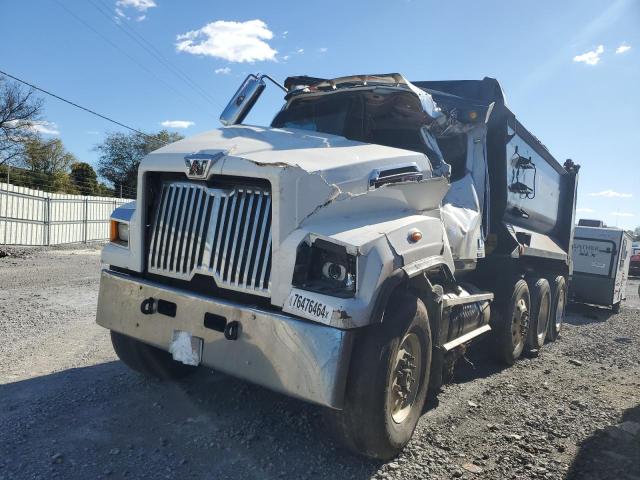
{"x": 600, "y": 265}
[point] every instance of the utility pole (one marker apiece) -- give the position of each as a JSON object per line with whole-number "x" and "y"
{"x": 120, "y": 189}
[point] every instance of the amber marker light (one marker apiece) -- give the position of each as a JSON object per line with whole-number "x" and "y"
{"x": 113, "y": 231}
{"x": 415, "y": 235}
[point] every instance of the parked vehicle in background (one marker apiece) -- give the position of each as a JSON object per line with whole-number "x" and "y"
{"x": 601, "y": 258}
{"x": 634, "y": 261}
{"x": 348, "y": 253}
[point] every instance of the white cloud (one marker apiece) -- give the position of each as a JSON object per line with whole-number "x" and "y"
{"x": 323, "y": 49}
{"x": 300, "y": 51}
{"x": 285, "y": 33}
{"x": 590, "y": 58}
{"x": 585, "y": 210}
{"x": 38, "y": 126}
{"x": 231, "y": 41}
{"x": 285, "y": 58}
{"x": 622, "y": 214}
{"x": 611, "y": 194}
{"x": 177, "y": 123}
{"x": 222, "y": 71}
{"x": 139, "y": 5}
{"x": 623, "y": 48}
{"x": 46, "y": 128}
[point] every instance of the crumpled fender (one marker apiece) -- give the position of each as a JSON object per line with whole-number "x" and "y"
{"x": 375, "y": 226}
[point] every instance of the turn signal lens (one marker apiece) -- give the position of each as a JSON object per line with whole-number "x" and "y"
{"x": 415, "y": 236}
{"x": 119, "y": 233}
{"x": 113, "y": 231}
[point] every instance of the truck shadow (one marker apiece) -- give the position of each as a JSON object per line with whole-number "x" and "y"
{"x": 584, "y": 314}
{"x": 105, "y": 420}
{"x": 610, "y": 453}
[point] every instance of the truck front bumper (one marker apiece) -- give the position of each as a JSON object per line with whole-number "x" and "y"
{"x": 302, "y": 359}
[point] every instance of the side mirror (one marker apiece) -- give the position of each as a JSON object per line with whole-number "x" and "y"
{"x": 243, "y": 100}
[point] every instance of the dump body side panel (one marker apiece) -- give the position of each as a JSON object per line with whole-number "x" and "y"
{"x": 532, "y": 194}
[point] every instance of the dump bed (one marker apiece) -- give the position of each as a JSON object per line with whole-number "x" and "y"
{"x": 532, "y": 196}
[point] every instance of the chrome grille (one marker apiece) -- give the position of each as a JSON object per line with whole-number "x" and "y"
{"x": 222, "y": 233}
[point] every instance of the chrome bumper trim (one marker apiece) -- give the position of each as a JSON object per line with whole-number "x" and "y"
{"x": 301, "y": 359}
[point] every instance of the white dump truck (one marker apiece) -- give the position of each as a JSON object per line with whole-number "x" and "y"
{"x": 349, "y": 252}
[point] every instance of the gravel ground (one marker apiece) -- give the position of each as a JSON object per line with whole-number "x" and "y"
{"x": 69, "y": 409}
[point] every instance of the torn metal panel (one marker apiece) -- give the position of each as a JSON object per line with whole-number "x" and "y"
{"x": 301, "y": 85}
{"x": 466, "y": 204}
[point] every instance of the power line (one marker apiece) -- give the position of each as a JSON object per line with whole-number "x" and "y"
{"x": 153, "y": 51}
{"x": 75, "y": 104}
{"x": 123, "y": 52}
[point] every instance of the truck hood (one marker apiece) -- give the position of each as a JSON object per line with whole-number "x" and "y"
{"x": 345, "y": 163}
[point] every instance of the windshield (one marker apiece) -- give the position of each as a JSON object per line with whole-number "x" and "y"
{"x": 382, "y": 116}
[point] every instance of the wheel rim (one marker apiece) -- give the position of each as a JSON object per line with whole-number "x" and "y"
{"x": 519, "y": 322}
{"x": 405, "y": 379}
{"x": 559, "y": 310}
{"x": 543, "y": 315}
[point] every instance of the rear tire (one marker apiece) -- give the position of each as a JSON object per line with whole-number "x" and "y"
{"x": 388, "y": 381}
{"x": 616, "y": 307}
{"x": 558, "y": 307}
{"x": 148, "y": 360}
{"x": 540, "y": 293}
{"x": 510, "y": 323}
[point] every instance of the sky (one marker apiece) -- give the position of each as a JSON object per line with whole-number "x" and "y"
{"x": 570, "y": 69}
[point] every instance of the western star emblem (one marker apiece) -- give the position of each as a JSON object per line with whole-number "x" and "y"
{"x": 198, "y": 164}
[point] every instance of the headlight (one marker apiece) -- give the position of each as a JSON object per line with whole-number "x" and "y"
{"x": 119, "y": 233}
{"x": 325, "y": 267}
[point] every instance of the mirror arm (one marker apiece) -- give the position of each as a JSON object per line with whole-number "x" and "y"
{"x": 274, "y": 82}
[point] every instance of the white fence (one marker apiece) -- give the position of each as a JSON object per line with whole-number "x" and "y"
{"x": 34, "y": 217}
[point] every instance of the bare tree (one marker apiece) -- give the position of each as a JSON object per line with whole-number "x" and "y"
{"x": 20, "y": 110}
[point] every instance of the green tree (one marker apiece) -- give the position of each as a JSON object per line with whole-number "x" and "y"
{"x": 121, "y": 154}
{"x": 84, "y": 177}
{"x": 47, "y": 156}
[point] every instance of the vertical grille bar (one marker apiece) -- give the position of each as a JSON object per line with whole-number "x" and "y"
{"x": 253, "y": 236}
{"x": 165, "y": 222}
{"x": 239, "y": 221}
{"x": 184, "y": 238}
{"x": 177, "y": 216}
{"x": 245, "y": 233}
{"x": 230, "y": 217}
{"x": 210, "y": 237}
{"x": 192, "y": 230}
{"x": 222, "y": 233}
{"x": 256, "y": 263}
{"x": 203, "y": 212}
{"x": 162, "y": 204}
{"x": 225, "y": 200}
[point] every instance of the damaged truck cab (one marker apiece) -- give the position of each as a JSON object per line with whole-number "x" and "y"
{"x": 347, "y": 254}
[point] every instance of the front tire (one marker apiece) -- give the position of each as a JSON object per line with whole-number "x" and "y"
{"x": 388, "y": 381}
{"x": 148, "y": 360}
